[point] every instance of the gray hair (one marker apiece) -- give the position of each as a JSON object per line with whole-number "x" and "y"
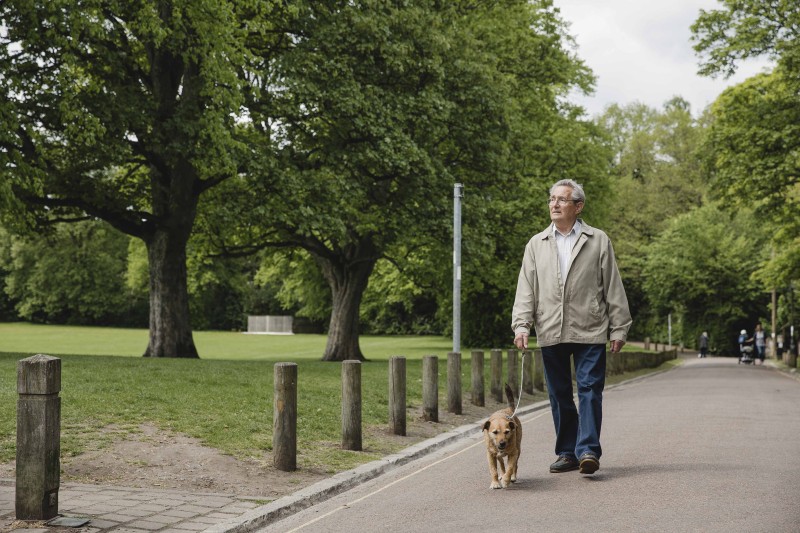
{"x": 577, "y": 190}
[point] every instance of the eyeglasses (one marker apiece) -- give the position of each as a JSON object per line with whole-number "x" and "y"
{"x": 560, "y": 201}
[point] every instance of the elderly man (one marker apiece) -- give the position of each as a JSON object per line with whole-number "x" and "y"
{"x": 569, "y": 289}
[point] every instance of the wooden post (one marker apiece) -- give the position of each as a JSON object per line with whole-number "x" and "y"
{"x": 477, "y": 379}
{"x": 351, "y": 405}
{"x": 513, "y": 370}
{"x": 538, "y": 371}
{"x": 38, "y": 466}
{"x": 527, "y": 371}
{"x": 496, "y": 388}
{"x": 454, "y": 382}
{"x": 284, "y": 413}
{"x": 647, "y": 343}
{"x": 430, "y": 388}
{"x": 397, "y": 395}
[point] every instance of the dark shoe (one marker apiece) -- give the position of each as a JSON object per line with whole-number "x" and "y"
{"x": 564, "y": 464}
{"x": 589, "y": 463}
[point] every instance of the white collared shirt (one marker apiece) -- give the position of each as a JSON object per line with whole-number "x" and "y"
{"x": 565, "y": 243}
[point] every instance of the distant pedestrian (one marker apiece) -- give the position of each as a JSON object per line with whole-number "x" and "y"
{"x": 760, "y": 342}
{"x": 569, "y": 289}
{"x": 703, "y": 343}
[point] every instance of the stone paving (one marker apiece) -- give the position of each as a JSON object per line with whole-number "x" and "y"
{"x": 130, "y": 510}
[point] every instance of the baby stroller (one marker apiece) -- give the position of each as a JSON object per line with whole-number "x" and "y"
{"x": 745, "y": 348}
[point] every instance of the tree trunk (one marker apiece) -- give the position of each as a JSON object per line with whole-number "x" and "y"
{"x": 170, "y": 326}
{"x": 348, "y": 280}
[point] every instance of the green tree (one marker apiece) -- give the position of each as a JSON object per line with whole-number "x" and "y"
{"x": 73, "y": 274}
{"x": 753, "y": 142}
{"x": 700, "y": 268}
{"x": 657, "y": 176}
{"x": 7, "y": 311}
{"x": 745, "y": 29}
{"x": 127, "y": 111}
{"x": 378, "y": 109}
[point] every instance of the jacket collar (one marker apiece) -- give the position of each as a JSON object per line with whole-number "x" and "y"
{"x": 586, "y": 229}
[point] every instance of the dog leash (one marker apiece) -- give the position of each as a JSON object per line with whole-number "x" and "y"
{"x": 519, "y": 396}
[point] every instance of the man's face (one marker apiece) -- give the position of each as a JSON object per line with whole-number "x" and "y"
{"x": 564, "y": 213}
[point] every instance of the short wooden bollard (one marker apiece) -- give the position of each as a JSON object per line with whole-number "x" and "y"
{"x": 430, "y": 388}
{"x": 478, "y": 397}
{"x": 38, "y": 467}
{"x": 527, "y": 371}
{"x": 284, "y": 413}
{"x": 454, "y": 382}
{"x": 351, "y": 405}
{"x": 513, "y": 370}
{"x": 496, "y": 386}
{"x": 397, "y": 395}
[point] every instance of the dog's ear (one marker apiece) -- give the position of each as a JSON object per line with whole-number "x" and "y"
{"x": 511, "y": 425}
{"x": 486, "y": 426}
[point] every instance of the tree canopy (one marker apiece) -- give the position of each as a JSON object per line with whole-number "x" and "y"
{"x": 126, "y": 112}
{"x": 752, "y": 142}
{"x": 378, "y": 109}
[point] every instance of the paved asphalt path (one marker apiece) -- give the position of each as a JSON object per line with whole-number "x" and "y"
{"x": 710, "y": 446}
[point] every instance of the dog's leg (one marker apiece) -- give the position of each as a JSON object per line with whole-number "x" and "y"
{"x": 513, "y": 461}
{"x": 492, "y": 458}
{"x": 504, "y": 481}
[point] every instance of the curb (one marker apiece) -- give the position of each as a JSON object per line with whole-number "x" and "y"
{"x": 344, "y": 481}
{"x": 791, "y": 373}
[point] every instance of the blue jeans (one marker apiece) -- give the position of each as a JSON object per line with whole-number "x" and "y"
{"x": 577, "y": 430}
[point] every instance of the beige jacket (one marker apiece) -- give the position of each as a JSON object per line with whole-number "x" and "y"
{"x": 586, "y": 306}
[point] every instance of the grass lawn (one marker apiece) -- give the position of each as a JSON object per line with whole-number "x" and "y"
{"x": 20, "y": 337}
{"x": 224, "y": 399}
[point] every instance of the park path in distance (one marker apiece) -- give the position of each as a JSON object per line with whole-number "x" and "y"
{"x": 710, "y": 446}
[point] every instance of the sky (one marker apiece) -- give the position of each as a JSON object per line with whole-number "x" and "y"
{"x": 640, "y": 50}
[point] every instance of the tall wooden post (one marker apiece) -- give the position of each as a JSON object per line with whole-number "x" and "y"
{"x": 284, "y": 413}
{"x": 38, "y": 466}
{"x": 496, "y": 387}
{"x": 477, "y": 379}
{"x": 351, "y": 405}
{"x": 454, "y": 382}
{"x": 430, "y": 388}
{"x": 397, "y": 395}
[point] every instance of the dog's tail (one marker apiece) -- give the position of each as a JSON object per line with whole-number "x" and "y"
{"x": 510, "y": 396}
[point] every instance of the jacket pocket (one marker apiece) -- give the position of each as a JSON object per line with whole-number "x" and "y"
{"x": 594, "y": 308}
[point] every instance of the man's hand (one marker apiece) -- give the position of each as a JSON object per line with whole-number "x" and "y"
{"x": 616, "y": 346}
{"x": 521, "y": 340}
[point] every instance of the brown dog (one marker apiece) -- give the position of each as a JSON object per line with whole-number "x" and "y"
{"x": 502, "y": 434}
